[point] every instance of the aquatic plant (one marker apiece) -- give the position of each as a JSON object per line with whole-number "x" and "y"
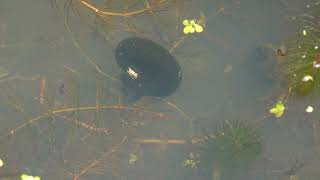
{"x": 190, "y": 26}
{"x": 278, "y": 109}
{"x": 234, "y": 144}
{"x": 301, "y": 65}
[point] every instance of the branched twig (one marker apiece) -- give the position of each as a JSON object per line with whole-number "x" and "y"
{"x": 89, "y": 127}
{"x": 167, "y": 141}
{"x": 58, "y": 111}
{"x": 77, "y": 45}
{"x": 100, "y": 12}
{"x": 96, "y": 162}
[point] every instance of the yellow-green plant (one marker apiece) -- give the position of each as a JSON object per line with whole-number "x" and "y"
{"x": 190, "y": 26}
{"x": 278, "y": 109}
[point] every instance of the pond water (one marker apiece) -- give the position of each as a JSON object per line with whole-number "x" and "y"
{"x": 64, "y": 116}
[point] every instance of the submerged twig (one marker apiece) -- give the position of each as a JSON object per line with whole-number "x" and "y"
{"x": 177, "y": 43}
{"x": 89, "y": 127}
{"x": 166, "y": 141}
{"x": 75, "y": 109}
{"x": 99, "y": 12}
{"x": 77, "y": 45}
{"x": 92, "y": 165}
{"x": 42, "y": 90}
{"x": 190, "y": 120}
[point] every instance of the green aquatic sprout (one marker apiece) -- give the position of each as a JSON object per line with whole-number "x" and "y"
{"x": 235, "y": 144}
{"x": 278, "y": 109}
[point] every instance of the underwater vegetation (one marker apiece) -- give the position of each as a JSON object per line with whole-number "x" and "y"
{"x": 234, "y": 144}
{"x": 301, "y": 65}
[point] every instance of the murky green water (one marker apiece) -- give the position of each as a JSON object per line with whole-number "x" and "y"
{"x": 63, "y": 115}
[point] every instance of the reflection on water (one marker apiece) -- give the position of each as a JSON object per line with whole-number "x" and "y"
{"x": 63, "y": 114}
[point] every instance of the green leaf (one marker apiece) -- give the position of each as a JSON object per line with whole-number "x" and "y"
{"x": 278, "y": 109}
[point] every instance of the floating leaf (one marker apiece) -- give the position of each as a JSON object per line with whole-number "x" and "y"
{"x": 192, "y": 22}
{"x": 278, "y": 109}
{"x": 188, "y": 29}
{"x": 192, "y": 29}
{"x": 198, "y": 28}
{"x": 186, "y": 22}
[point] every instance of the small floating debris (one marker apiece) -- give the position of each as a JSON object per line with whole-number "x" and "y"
{"x": 304, "y": 32}
{"x": 132, "y": 73}
{"x": 282, "y": 50}
{"x": 307, "y": 78}
{"x": 316, "y": 64}
{"x": 309, "y": 109}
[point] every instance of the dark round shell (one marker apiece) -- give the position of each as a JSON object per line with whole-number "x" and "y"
{"x": 149, "y": 69}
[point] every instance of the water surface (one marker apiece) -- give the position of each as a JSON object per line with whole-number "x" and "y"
{"x": 49, "y": 51}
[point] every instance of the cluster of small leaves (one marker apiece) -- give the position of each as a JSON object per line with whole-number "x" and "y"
{"x": 190, "y": 26}
{"x": 278, "y": 109}
{"x": 235, "y": 144}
